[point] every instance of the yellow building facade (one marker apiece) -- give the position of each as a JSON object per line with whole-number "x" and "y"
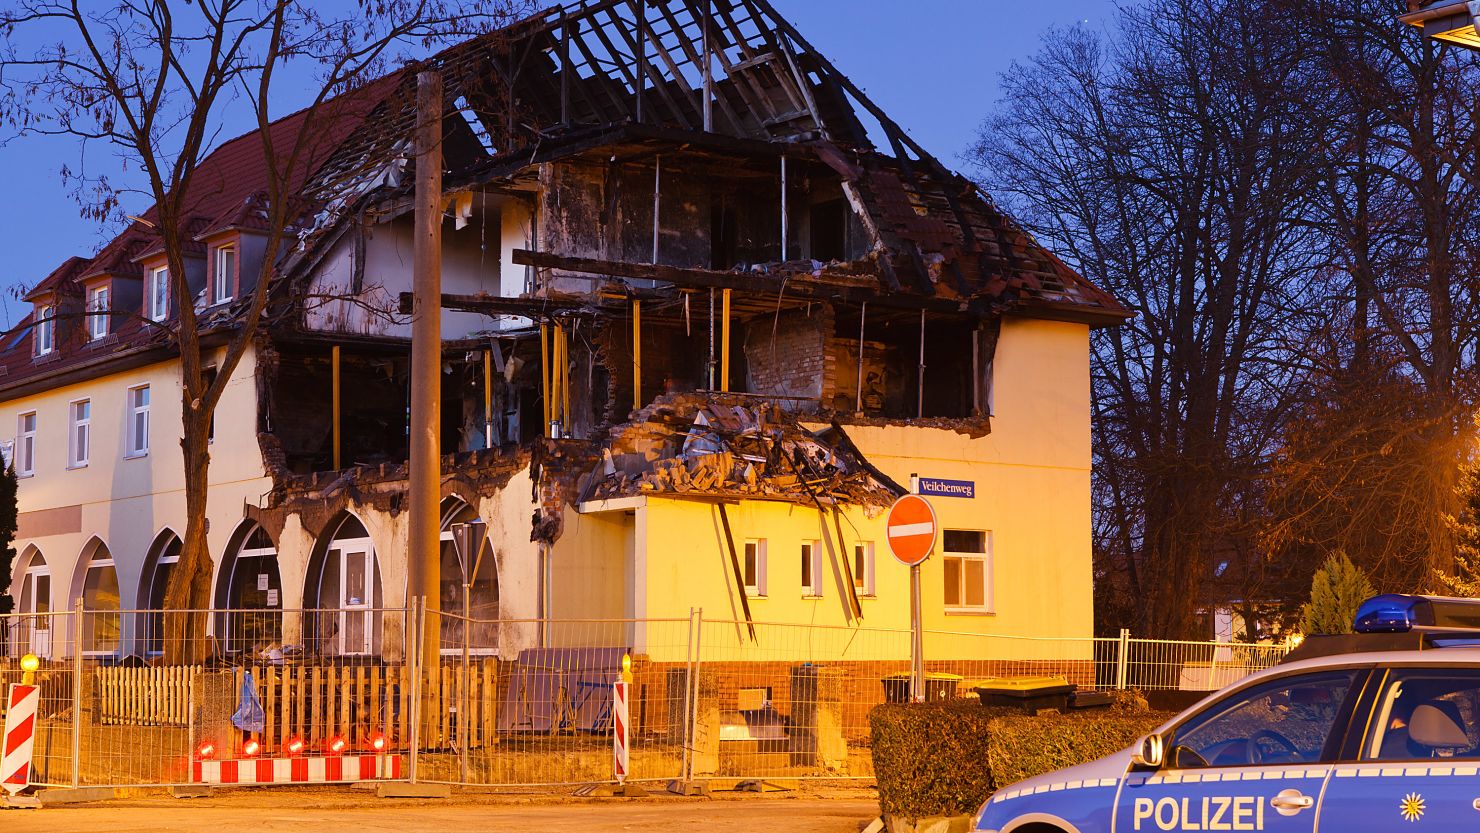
{"x": 1011, "y": 561}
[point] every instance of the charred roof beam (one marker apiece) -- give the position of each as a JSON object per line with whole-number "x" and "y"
{"x": 757, "y": 283}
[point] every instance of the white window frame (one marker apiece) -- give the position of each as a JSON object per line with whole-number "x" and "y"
{"x": 154, "y": 619}
{"x": 24, "y": 454}
{"x": 756, "y": 590}
{"x": 366, "y": 606}
{"x": 45, "y": 331}
{"x": 136, "y": 441}
{"x": 863, "y": 575}
{"x": 483, "y": 650}
{"x": 99, "y": 298}
{"x": 222, "y": 291}
{"x": 74, "y": 459}
{"x": 811, "y": 557}
{"x": 988, "y": 604}
{"x": 102, "y": 563}
{"x": 159, "y": 279}
{"x": 32, "y": 622}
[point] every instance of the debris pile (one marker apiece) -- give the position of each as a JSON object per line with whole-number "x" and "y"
{"x": 733, "y": 446}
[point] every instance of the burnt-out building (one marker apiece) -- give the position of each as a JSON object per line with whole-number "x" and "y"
{"x": 707, "y": 311}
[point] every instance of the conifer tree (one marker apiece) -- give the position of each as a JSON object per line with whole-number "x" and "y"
{"x": 1336, "y": 592}
{"x": 8, "y": 511}
{"x": 1465, "y": 580}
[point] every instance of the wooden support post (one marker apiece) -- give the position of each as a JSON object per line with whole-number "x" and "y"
{"x": 657, "y": 202}
{"x": 545, "y": 375}
{"x": 920, "y": 395}
{"x": 785, "y": 220}
{"x": 565, "y": 70}
{"x": 724, "y": 518}
{"x": 862, "y": 317}
{"x": 557, "y": 377}
{"x": 976, "y": 370}
{"x": 488, "y": 398}
{"x": 424, "y": 550}
{"x": 334, "y": 372}
{"x": 708, "y": 71}
{"x": 565, "y": 341}
{"x": 642, "y": 61}
{"x": 724, "y": 343}
{"x": 636, "y": 354}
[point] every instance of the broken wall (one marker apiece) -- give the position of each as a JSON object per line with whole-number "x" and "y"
{"x": 340, "y": 300}
{"x": 788, "y": 355}
{"x": 605, "y": 212}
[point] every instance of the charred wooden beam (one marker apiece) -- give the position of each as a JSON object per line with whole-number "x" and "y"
{"x": 540, "y": 308}
{"x": 752, "y": 283}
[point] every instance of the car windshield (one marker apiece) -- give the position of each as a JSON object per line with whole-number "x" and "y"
{"x": 1283, "y": 721}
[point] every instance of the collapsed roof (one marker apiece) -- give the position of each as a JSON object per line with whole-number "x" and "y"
{"x": 623, "y": 79}
{"x": 610, "y": 80}
{"x": 732, "y": 446}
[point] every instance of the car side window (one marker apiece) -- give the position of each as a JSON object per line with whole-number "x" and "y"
{"x": 1426, "y": 713}
{"x": 1280, "y": 722}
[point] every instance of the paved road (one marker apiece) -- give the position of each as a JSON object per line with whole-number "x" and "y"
{"x": 298, "y": 812}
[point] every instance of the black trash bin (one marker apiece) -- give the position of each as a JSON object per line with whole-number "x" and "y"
{"x": 938, "y": 686}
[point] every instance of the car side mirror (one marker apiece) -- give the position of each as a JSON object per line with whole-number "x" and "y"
{"x": 1150, "y": 753}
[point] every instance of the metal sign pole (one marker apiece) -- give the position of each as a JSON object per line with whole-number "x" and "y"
{"x": 917, "y": 641}
{"x": 911, "y": 528}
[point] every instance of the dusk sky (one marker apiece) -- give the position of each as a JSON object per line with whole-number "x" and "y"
{"x": 932, "y": 64}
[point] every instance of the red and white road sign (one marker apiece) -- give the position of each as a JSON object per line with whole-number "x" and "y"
{"x": 911, "y": 529}
{"x": 619, "y": 730}
{"x": 20, "y": 736}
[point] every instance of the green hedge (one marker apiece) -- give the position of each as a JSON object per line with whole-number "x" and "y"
{"x": 1023, "y": 746}
{"x": 944, "y": 759}
{"x": 931, "y": 759}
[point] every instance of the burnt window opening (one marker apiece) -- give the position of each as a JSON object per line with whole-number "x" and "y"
{"x": 808, "y": 358}
{"x": 373, "y": 397}
{"x": 828, "y": 230}
{"x": 957, "y": 365}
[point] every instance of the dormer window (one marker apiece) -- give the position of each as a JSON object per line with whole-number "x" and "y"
{"x": 159, "y": 294}
{"x": 46, "y": 329}
{"x": 99, "y": 299}
{"x": 223, "y": 280}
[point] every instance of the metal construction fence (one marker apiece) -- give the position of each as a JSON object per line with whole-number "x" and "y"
{"x": 511, "y": 702}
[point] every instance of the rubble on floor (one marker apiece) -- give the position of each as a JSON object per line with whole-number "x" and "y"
{"x": 733, "y": 445}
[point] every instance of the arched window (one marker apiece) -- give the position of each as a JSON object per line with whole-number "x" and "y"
{"x": 250, "y": 591}
{"x": 479, "y": 578}
{"x": 32, "y": 632}
{"x": 97, "y": 585}
{"x": 344, "y": 586}
{"x": 164, "y": 554}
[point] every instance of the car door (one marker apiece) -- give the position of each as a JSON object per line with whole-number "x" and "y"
{"x": 1253, "y": 760}
{"x": 1419, "y": 760}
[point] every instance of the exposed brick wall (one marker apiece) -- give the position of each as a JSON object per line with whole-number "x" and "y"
{"x": 788, "y": 354}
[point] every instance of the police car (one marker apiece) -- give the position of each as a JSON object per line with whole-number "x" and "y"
{"x": 1377, "y": 731}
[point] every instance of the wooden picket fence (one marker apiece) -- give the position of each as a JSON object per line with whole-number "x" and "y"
{"x": 318, "y": 703}
{"x": 145, "y": 696}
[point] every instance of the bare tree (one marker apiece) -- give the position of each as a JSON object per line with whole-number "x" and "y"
{"x": 1371, "y": 460}
{"x": 152, "y": 80}
{"x": 1170, "y": 164}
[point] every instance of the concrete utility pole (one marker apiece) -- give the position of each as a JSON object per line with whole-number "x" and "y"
{"x": 423, "y": 552}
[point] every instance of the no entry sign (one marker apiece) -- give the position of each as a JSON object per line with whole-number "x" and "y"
{"x": 911, "y": 528}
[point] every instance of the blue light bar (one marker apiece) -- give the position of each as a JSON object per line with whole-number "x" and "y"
{"x": 1399, "y": 613}
{"x": 1388, "y": 613}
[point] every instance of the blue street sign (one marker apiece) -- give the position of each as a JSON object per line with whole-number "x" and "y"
{"x": 947, "y": 488}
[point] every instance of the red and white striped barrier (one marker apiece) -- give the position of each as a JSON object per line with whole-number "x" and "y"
{"x": 619, "y": 729}
{"x": 337, "y": 769}
{"x": 20, "y": 736}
